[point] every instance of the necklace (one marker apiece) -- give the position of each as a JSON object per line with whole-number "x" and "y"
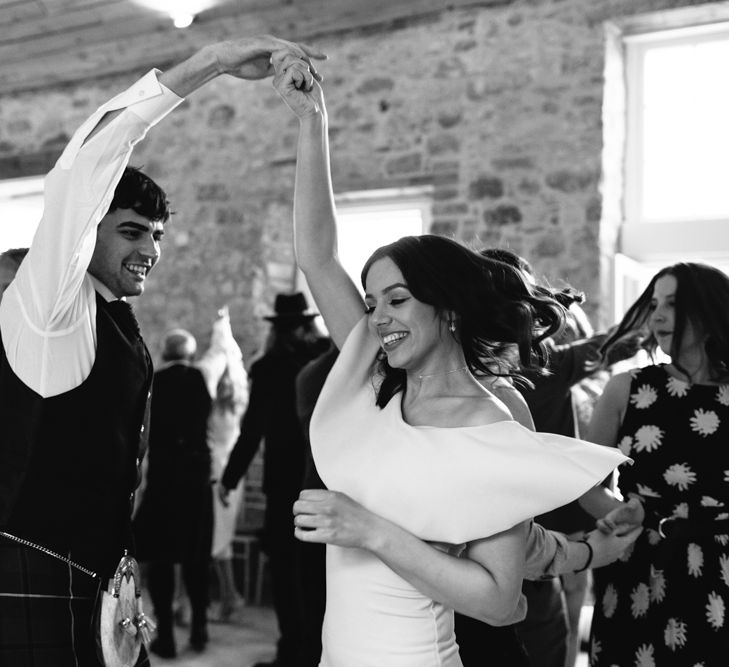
{"x": 431, "y": 375}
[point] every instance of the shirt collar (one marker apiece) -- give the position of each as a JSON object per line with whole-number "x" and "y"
{"x": 104, "y": 290}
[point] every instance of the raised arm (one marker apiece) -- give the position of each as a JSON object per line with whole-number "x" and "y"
{"x": 47, "y": 314}
{"x": 315, "y": 227}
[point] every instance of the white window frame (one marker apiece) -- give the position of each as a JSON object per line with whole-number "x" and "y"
{"x": 663, "y": 240}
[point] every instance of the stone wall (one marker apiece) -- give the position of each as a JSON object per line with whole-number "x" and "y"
{"x": 498, "y": 108}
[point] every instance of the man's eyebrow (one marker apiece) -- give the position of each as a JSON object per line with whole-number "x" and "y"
{"x": 389, "y": 288}
{"x": 134, "y": 225}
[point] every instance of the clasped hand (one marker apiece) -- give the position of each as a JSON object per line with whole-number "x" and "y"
{"x": 623, "y": 518}
{"x": 297, "y": 83}
{"x": 331, "y": 517}
{"x": 251, "y": 57}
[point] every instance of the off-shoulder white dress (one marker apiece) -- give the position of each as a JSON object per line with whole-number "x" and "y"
{"x": 448, "y": 486}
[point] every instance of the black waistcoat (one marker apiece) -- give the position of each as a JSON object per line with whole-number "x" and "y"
{"x": 69, "y": 464}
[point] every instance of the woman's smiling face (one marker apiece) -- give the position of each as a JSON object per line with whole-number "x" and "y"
{"x": 408, "y": 330}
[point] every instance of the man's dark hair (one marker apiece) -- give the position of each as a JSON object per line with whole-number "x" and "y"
{"x": 138, "y": 192}
{"x": 16, "y": 255}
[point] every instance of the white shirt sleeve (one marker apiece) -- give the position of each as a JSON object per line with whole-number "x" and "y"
{"x": 48, "y": 314}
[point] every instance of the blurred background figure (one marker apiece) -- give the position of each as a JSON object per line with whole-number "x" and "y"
{"x": 271, "y": 416}
{"x": 227, "y": 381}
{"x": 9, "y": 263}
{"x": 175, "y": 518}
{"x": 311, "y": 557}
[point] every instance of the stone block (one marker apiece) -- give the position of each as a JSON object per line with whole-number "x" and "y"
{"x": 375, "y": 85}
{"x": 221, "y": 117}
{"x": 503, "y": 214}
{"x": 444, "y": 228}
{"x": 450, "y": 118}
{"x": 569, "y": 181}
{"x": 514, "y": 162}
{"x": 443, "y": 143}
{"x": 484, "y": 187}
{"x": 404, "y": 164}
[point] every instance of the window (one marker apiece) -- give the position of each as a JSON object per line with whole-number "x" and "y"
{"x": 21, "y": 207}
{"x": 677, "y": 150}
{"x": 369, "y": 219}
{"x": 666, "y": 145}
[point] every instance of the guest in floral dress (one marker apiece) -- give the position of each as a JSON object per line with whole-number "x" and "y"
{"x": 665, "y": 602}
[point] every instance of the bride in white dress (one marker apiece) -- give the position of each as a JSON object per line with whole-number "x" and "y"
{"x": 432, "y": 483}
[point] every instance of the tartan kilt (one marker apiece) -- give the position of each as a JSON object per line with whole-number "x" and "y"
{"x": 46, "y": 611}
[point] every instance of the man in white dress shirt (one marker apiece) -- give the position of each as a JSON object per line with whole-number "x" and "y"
{"x": 75, "y": 375}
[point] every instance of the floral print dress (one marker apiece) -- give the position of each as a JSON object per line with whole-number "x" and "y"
{"x": 665, "y": 602}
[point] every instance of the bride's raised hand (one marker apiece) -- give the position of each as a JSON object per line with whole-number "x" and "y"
{"x": 296, "y": 84}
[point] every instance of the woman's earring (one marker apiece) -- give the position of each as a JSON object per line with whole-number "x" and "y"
{"x": 452, "y": 325}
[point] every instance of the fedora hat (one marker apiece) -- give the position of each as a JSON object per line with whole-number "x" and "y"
{"x": 291, "y": 307}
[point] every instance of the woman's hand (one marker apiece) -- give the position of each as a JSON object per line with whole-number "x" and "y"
{"x": 297, "y": 85}
{"x": 608, "y": 547}
{"x": 623, "y": 518}
{"x": 331, "y": 517}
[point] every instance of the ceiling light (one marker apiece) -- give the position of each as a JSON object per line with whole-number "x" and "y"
{"x": 182, "y": 20}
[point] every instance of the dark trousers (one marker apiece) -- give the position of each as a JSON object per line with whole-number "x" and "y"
{"x": 545, "y": 630}
{"x": 483, "y": 645}
{"x": 161, "y": 583}
{"x": 311, "y": 578}
{"x": 279, "y": 544}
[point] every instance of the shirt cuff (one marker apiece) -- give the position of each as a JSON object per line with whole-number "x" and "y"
{"x": 148, "y": 99}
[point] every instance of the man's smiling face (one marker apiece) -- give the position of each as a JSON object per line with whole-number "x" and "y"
{"x": 127, "y": 248}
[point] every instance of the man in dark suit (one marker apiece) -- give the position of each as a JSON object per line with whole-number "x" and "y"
{"x": 75, "y": 374}
{"x": 271, "y": 416}
{"x": 175, "y": 518}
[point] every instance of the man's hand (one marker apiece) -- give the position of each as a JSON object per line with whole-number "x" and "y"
{"x": 250, "y": 57}
{"x": 245, "y": 58}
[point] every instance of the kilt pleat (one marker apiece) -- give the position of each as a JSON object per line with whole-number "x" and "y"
{"x": 46, "y": 611}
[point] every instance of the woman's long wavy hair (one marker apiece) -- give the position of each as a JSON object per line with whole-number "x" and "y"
{"x": 702, "y": 298}
{"x": 495, "y": 308}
